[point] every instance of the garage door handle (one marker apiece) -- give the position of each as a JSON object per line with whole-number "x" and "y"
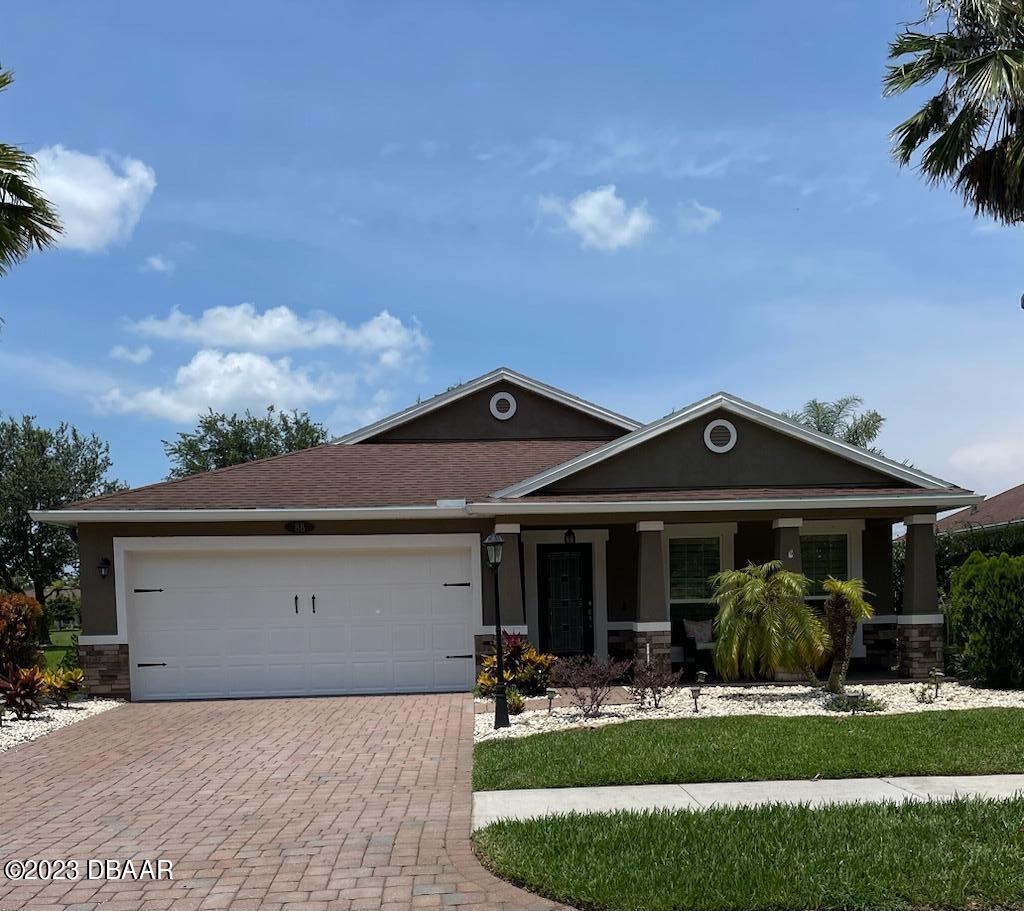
{"x": 458, "y": 656}
{"x": 314, "y": 604}
{"x": 141, "y": 590}
{"x": 457, "y": 584}
{"x": 152, "y": 664}
{"x": 296, "y": 604}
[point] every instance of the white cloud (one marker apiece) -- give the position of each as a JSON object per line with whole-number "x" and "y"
{"x": 132, "y": 355}
{"x": 697, "y": 219}
{"x": 99, "y": 198}
{"x": 158, "y": 264}
{"x": 997, "y": 461}
{"x": 602, "y": 219}
{"x": 382, "y": 336}
{"x": 231, "y": 381}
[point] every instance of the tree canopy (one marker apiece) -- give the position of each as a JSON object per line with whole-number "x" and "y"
{"x": 27, "y": 221}
{"x": 840, "y": 419}
{"x": 42, "y": 468}
{"x": 221, "y": 440}
{"x": 971, "y": 132}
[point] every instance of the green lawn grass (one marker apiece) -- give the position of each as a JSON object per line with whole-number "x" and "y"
{"x": 60, "y": 642}
{"x": 967, "y": 854}
{"x": 757, "y": 747}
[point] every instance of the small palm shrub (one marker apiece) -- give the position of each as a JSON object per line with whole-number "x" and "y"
{"x": 987, "y": 618}
{"x": 652, "y": 681}
{"x": 19, "y": 619}
{"x": 845, "y": 607}
{"x": 60, "y": 685}
{"x": 589, "y": 681}
{"x": 515, "y": 701}
{"x": 764, "y": 624}
{"x": 525, "y": 668}
{"x": 21, "y": 690}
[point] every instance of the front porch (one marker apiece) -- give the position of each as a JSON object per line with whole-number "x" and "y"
{"x": 640, "y": 588}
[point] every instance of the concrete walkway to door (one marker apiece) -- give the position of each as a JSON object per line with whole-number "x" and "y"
{"x": 261, "y": 805}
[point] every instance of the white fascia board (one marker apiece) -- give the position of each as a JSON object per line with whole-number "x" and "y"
{"x": 81, "y": 516}
{"x": 482, "y": 382}
{"x": 725, "y": 402}
{"x": 900, "y": 501}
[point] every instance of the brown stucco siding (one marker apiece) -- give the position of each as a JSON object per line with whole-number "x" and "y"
{"x": 762, "y": 457}
{"x": 877, "y": 556}
{"x": 753, "y": 543}
{"x": 470, "y": 418}
{"x": 621, "y": 556}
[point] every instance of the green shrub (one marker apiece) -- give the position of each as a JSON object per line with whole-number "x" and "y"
{"x": 19, "y": 619}
{"x": 514, "y": 700}
{"x": 986, "y": 618}
{"x": 72, "y": 659}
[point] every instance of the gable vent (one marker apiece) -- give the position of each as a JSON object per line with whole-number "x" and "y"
{"x": 503, "y": 405}
{"x": 720, "y": 436}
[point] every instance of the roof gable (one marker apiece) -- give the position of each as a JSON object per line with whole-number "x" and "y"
{"x": 464, "y": 413}
{"x": 597, "y": 467}
{"x": 1006, "y": 508}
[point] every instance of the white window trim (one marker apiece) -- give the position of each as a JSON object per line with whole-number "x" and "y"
{"x": 597, "y": 538}
{"x": 854, "y": 531}
{"x": 724, "y": 531}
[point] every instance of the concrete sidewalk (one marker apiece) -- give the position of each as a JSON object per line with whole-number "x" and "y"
{"x": 490, "y": 806}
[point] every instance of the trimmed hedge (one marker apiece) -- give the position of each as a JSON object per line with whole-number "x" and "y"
{"x": 986, "y": 618}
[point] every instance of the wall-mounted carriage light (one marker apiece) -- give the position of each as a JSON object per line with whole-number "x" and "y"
{"x": 569, "y": 537}
{"x": 103, "y": 567}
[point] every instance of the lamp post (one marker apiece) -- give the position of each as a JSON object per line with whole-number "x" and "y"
{"x": 493, "y": 544}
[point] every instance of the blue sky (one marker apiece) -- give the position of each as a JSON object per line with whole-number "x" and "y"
{"x": 341, "y": 207}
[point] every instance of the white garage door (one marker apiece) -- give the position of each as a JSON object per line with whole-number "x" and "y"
{"x": 208, "y": 622}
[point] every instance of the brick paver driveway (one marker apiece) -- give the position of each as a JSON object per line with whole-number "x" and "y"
{"x": 358, "y": 802}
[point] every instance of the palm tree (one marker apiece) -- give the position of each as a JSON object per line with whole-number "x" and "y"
{"x": 972, "y": 131}
{"x": 764, "y": 624}
{"x": 840, "y": 419}
{"x": 845, "y": 607}
{"x": 27, "y": 221}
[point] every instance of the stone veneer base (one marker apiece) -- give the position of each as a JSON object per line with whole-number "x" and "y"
{"x": 106, "y": 670}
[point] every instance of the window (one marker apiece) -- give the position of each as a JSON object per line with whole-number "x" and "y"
{"x": 823, "y": 556}
{"x": 692, "y": 562}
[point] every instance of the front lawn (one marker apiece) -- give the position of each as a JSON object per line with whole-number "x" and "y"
{"x": 958, "y": 855}
{"x": 60, "y": 642}
{"x": 757, "y": 747}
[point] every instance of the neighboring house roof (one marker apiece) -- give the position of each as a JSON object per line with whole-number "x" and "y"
{"x": 729, "y": 403}
{"x": 481, "y": 382}
{"x": 1006, "y": 508}
{"x": 449, "y": 478}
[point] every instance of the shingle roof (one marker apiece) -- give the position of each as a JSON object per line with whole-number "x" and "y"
{"x": 1002, "y": 509}
{"x": 370, "y": 474}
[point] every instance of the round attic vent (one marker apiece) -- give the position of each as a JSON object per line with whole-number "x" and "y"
{"x": 503, "y": 405}
{"x": 720, "y": 436}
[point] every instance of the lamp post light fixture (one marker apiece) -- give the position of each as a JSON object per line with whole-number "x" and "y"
{"x": 702, "y": 677}
{"x": 103, "y": 567}
{"x": 551, "y": 694}
{"x": 492, "y": 545}
{"x": 937, "y": 676}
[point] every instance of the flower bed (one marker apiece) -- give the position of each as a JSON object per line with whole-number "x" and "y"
{"x": 49, "y": 718}
{"x": 718, "y": 701}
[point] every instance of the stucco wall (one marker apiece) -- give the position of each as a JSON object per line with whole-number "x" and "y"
{"x": 470, "y": 418}
{"x": 761, "y": 458}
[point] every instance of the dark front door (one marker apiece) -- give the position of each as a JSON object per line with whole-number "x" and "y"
{"x": 565, "y": 592}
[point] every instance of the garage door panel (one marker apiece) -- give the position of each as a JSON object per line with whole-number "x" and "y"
{"x": 225, "y": 623}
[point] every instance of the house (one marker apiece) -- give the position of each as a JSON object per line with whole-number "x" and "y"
{"x": 1000, "y": 511}
{"x": 356, "y": 566}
